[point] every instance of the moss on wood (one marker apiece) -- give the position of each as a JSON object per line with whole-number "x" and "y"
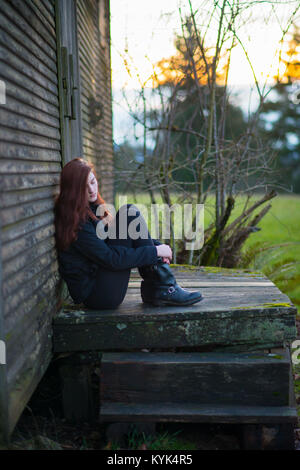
{"x": 217, "y": 270}
{"x": 265, "y": 305}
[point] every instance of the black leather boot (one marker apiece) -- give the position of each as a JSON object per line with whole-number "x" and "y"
{"x": 159, "y": 286}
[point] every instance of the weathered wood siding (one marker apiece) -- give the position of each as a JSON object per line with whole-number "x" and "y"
{"x": 30, "y": 164}
{"x": 95, "y": 83}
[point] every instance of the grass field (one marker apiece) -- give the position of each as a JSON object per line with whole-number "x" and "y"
{"x": 275, "y": 249}
{"x": 280, "y": 228}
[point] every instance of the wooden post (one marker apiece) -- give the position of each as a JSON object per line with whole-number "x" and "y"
{"x": 76, "y": 382}
{"x": 268, "y": 437}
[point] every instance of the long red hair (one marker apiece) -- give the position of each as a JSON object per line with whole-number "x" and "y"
{"x": 72, "y": 205}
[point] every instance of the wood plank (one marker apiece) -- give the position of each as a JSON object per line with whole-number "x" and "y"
{"x": 23, "y": 347}
{"x": 25, "y": 294}
{"x": 193, "y": 413}
{"x": 27, "y": 181}
{"x": 18, "y": 263}
{"x": 190, "y": 283}
{"x": 50, "y": 6}
{"x": 24, "y": 111}
{"x": 9, "y": 118}
{"x": 24, "y": 211}
{"x": 215, "y": 378}
{"x": 94, "y": 65}
{"x": 26, "y": 277}
{"x": 41, "y": 90}
{"x": 47, "y": 13}
{"x": 216, "y": 321}
{"x": 15, "y": 78}
{"x": 15, "y": 166}
{"x": 24, "y": 227}
{"x": 24, "y": 73}
{"x": 26, "y": 242}
{"x": 239, "y": 297}
{"x": 23, "y": 196}
{"x": 21, "y": 45}
{"x": 31, "y": 25}
{"x": 33, "y": 143}
{"x": 28, "y": 379}
{"x": 252, "y": 300}
{"x": 210, "y": 273}
{"x": 215, "y": 301}
{"x": 23, "y": 95}
{"x": 28, "y": 334}
{"x": 202, "y": 276}
{"x": 3, "y": 373}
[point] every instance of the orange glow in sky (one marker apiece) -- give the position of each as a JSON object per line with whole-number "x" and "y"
{"x": 146, "y": 29}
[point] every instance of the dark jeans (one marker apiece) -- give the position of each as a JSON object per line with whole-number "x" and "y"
{"x": 110, "y": 287}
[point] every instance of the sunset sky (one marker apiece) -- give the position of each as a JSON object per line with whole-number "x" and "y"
{"x": 147, "y": 29}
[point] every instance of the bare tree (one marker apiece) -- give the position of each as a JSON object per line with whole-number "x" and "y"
{"x": 219, "y": 163}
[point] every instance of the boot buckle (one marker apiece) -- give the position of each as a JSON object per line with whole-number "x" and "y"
{"x": 171, "y": 289}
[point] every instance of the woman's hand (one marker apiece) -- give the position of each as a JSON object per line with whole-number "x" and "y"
{"x": 165, "y": 252}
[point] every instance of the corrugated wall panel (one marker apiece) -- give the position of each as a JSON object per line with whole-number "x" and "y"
{"x": 30, "y": 165}
{"x": 95, "y": 83}
{"x": 15, "y": 248}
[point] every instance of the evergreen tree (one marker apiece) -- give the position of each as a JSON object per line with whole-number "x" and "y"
{"x": 186, "y": 82}
{"x": 280, "y": 119}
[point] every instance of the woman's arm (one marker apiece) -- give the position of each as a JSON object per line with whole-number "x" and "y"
{"x": 115, "y": 258}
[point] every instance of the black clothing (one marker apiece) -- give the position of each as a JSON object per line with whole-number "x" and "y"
{"x": 97, "y": 271}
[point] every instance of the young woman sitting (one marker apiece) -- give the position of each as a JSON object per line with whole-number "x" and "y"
{"x": 97, "y": 269}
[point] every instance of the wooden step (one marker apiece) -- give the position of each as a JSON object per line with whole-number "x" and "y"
{"x": 216, "y": 321}
{"x": 240, "y": 310}
{"x": 204, "y": 413}
{"x": 214, "y": 378}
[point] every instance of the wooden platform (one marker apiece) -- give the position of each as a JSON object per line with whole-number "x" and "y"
{"x": 212, "y": 362}
{"x": 239, "y": 309}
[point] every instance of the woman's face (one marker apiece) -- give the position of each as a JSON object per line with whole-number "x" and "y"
{"x": 92, "y": 187}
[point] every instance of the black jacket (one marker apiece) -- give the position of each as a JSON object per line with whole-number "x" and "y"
{"x": 79, "y": 264}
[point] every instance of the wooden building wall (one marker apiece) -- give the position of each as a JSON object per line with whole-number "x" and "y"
{"x": 30, "y": 165}
{"x": 95, "y": 73}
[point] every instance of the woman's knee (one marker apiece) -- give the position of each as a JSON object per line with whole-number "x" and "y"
{"x": 131, "y": 223}
{"x": 130, "y": 209}
{"x": 127, "y": 214}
